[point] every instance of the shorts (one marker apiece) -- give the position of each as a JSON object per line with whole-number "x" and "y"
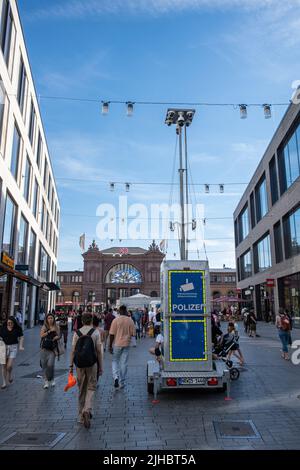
{"x": 11, "y": 351}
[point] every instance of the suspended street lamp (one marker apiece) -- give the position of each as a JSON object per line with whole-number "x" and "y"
{"x": 267, "y": 111}
{"x": 105, "y": 107}
{"x": 129, "y": 105}
{"x": 243, "y": 111}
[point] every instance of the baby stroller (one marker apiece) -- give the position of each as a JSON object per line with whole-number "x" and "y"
{"x": 221, "y": 350}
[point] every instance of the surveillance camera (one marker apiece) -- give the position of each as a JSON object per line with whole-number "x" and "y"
{"x": 180, "y": 120}
{"x": 190, "y": 115}
{"x": 168, "y": 122}
{"x": 171, "y": 115}
{"x": 187, "y": 123}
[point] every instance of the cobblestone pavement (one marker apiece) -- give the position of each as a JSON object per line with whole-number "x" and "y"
{"x": 267, "y": 393}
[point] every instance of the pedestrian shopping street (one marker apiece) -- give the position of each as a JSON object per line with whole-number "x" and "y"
{"x": 267, "y": 393}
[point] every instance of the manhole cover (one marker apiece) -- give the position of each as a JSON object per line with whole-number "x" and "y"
{"x": 236, "y": 429}
{"x": 39, "y": 374}
{"x": 33, "y": 439}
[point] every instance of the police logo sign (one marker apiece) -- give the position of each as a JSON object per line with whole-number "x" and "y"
{"x": 187, "y": 292}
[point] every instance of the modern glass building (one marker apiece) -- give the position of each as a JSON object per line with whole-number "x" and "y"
{"x": 267, "y": 225}
{"x": 29, "y": 204}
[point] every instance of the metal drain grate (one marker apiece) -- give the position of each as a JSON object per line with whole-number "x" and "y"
{"x": 236, "y": 430}
{"x": 39, "y": 374}
{"x": 32, "y": 439}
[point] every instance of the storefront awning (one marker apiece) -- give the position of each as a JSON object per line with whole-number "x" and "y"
{"x": 50, "y": 286}
{"x": 7, "y": 270}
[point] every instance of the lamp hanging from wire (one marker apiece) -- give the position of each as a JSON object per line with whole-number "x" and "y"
{"x": 105, "y": 107}
{"x": 206, "y": 186}
{"x": 221, "y": 186}
{"x": 127, "y": 187}
{"x": 243, "y": 111}
{"x": 267, "y": 111}
{"x": 112, "y": 186}
{"x": 129, "y": 105}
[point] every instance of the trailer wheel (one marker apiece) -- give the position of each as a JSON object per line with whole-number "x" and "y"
{"x": 234, "y": 373}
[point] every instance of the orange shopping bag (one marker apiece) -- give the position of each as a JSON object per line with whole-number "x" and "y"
{"x": 71, "y": 382}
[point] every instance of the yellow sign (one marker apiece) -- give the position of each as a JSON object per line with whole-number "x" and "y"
{"x": 7, "y": 260}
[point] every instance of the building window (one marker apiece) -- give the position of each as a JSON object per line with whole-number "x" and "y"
{"x": 262, "y": 255}
{"x": 39, "y": 151}
{"x": 246, "y": 265}
{"x": 154, "y": 276}
{"x": 27, "y": 179}
{"x": 252, "y": 210}
{"x": 6, "y": 29}
{"x": 261, "y": 199}
{"x": 49, "y": 187}
{"x": 273, "y": 180}
{"x": 80, "y": 278}
{"x": 31, "y": 123}
{"x": 215, "y": 279}
{"x": 32, "y": 248}
{"x": 291, "y": 232}
{"x": 2, "y": 104}
{"x": 15, "y": 156}
{"x": 35, "y": 198}
{"x": 243, "y": 224}
{"x": 42, "y": 221}
{"x": 153, "y": 294}
{"x": 21, "y": 86}
{"x": 9, "y": 226}
{"x": 44, "y": 264}
{"x": 23, "y": 234}
{"x": 45, "y": 174}
{"x": 236, "y": 238}
{"x": 278, "y": 242}
{"x": 123, "y": 274}
{"x": 289, "y": 161}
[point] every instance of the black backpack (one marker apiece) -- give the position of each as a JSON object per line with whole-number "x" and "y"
{"x": 85, "y": 355}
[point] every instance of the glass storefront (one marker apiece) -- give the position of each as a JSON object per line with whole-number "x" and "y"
{"x": 5, "y": 291}
{"x": 289, "y": 295}
{"x": 265, "y": 302}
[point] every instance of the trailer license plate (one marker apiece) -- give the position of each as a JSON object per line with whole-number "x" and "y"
{"x": 192, "y": 381}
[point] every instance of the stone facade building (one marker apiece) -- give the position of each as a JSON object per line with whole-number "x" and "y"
{"x": 112, "y": 273}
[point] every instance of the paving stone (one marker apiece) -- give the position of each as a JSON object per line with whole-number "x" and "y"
{"x": 265, "y": 393}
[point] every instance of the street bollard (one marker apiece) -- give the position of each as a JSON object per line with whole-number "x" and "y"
{"x": 227, "y": 375}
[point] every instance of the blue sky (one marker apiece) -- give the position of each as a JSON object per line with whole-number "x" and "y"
{"x": 217, "y": 51}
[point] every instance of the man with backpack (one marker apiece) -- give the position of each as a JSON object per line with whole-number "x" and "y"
{"x": 120, "y": 333}
{"x": 86, "y": 354}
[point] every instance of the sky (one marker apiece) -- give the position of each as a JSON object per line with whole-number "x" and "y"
{"x": 162, "y": 51}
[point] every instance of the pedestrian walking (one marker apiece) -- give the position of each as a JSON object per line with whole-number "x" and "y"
{"x": 252, "y": 321}
{"x": 283, "y": 325}
{"x": 108, "y": 319}
{"x": 3, "y": 318}
{"x": 64, "y": 326}
{"x": 120, "y": 333}
{"x": 50, "y": 335}
{"x": 144, "y": 322}
{"x": 235, "y": 350}
{"x": 290, "y": 317}
{"x": 86, "y": 354}
{"x": 41, "y": 317}
{"x": 11, "y": 334}
{"x": 19, "y": 317}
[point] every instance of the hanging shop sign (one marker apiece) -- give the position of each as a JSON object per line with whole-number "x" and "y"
{"x": 7, "y": 260}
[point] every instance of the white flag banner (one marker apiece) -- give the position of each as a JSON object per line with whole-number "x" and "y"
{"x": 162, "y": 245}
{"x": 82, "y": 241}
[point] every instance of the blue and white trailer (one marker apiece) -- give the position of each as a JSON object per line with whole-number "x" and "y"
{"x": 187, "y": 360}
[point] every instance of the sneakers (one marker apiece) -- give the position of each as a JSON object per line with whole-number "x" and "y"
{"x": 86, "y": 419}
{"x": 52, "y": 383}
{"x": 46, "y": 384}
{"x": 116, "y": 383}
